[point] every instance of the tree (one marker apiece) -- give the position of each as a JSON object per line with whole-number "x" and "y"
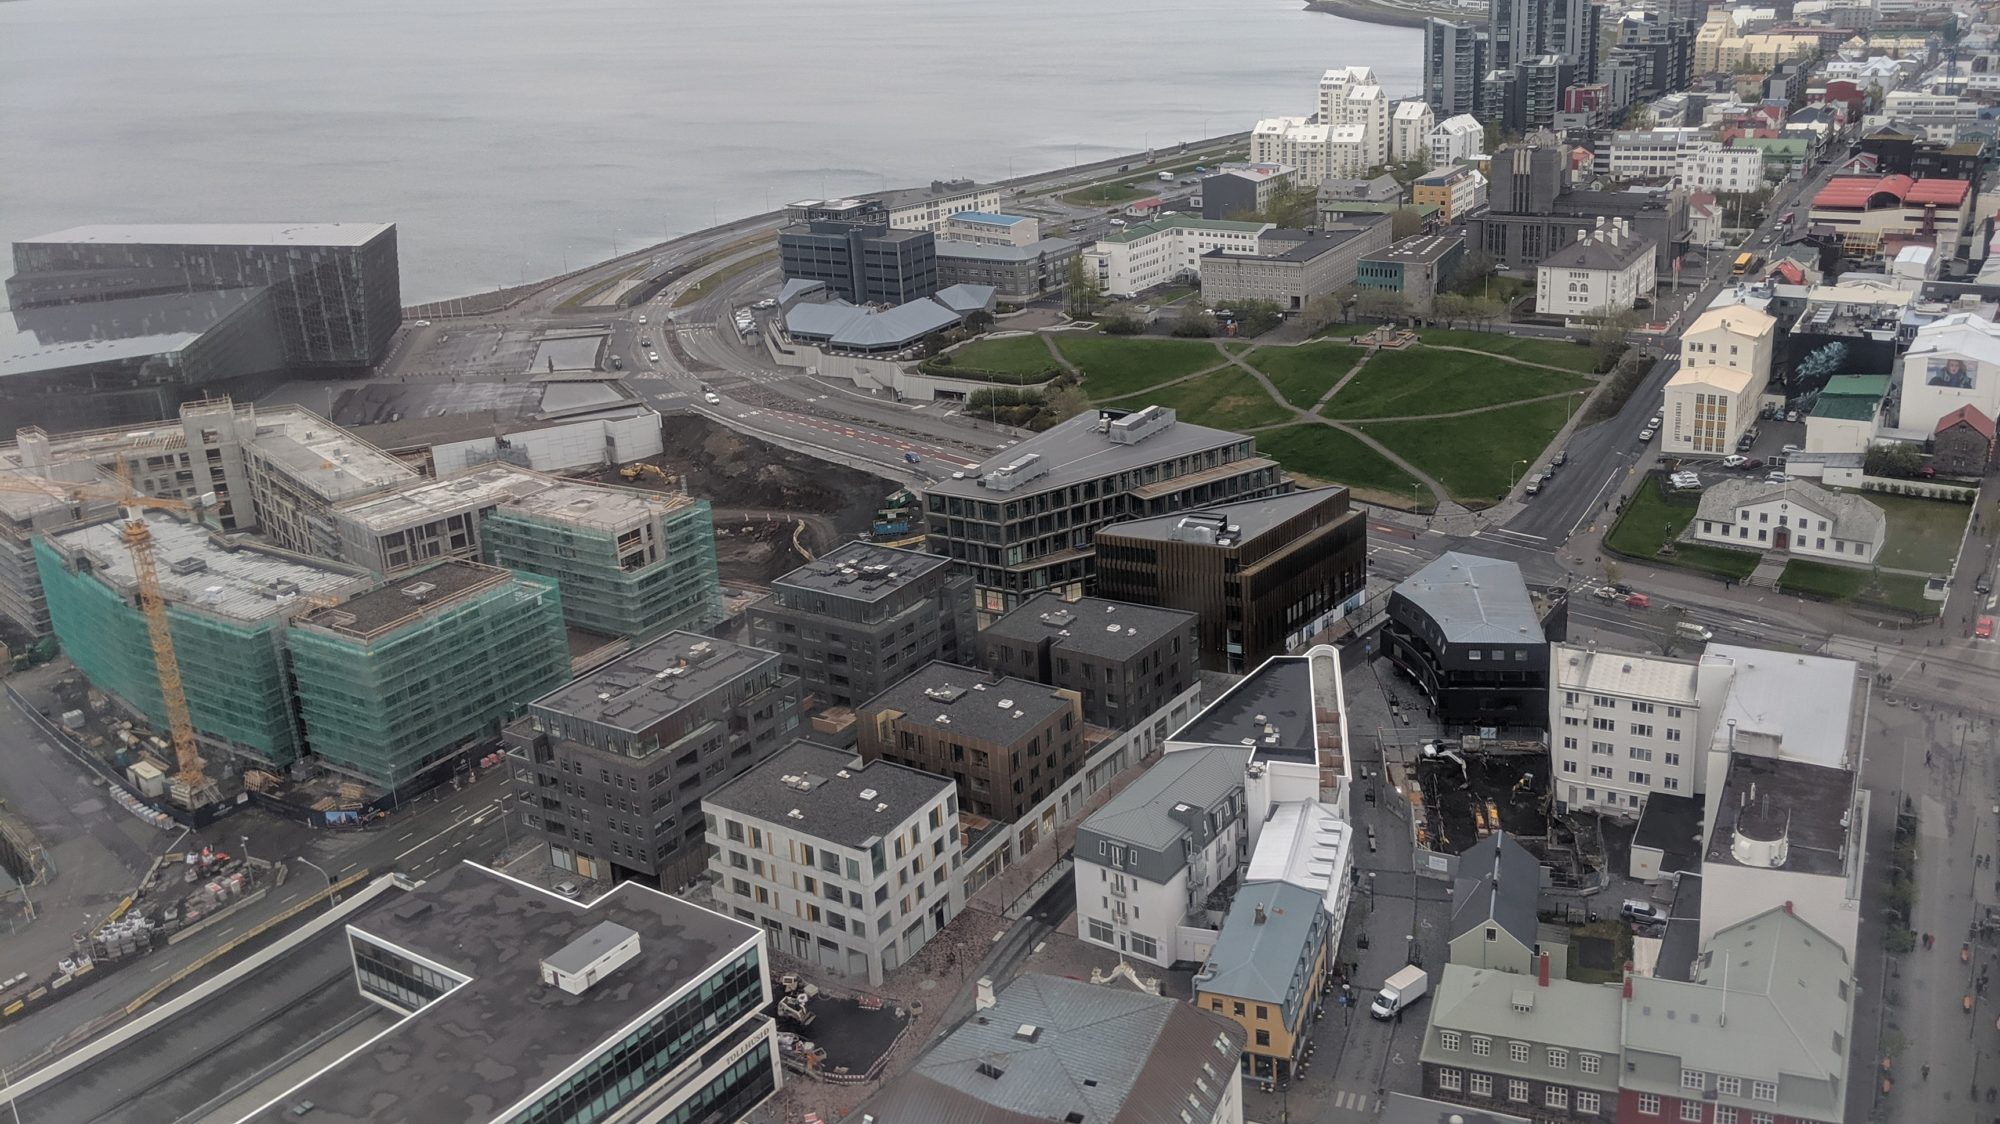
{"x": 1382, "y": 304}
{"x": 1293, "y": 204}
{"x": 1121, "y": 323}
{"x": 1060, "y": 404}
{"x": 1451, "y": 308}
{"x": 1407, "y": 172}
{"x": 1608, "y": 338}
{"x": 1084, "y": 290}
{"x": 1405, "y": 221}
{"x": 1194, "y": 323}
{"x": 1485, "y": 310}
{"x": 978, "y": 320}
{"x": 1470, "y": 274}
{"x": 1255, "y": 317}
{"x": 1321, "y": 311}
{"x": 1897, "y": 459}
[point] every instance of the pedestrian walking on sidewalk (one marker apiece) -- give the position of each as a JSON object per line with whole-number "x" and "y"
{"x": 1927, "y": 1071}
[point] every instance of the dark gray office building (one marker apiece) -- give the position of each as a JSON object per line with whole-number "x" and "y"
{"x": 1455, "y": 62}
{"x": 116, "y": 325}
{"x": 1125, "y": 660}
{"x": 1532, "y": 214}
{"x": 610, "y": 768}
{"x": 864, "y": 262}
{"x": 1475, "y": 640}
{"x": 863, "y": 616}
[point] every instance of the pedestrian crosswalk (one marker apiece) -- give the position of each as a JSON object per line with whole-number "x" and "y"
{"x": 1346, "y": 1100}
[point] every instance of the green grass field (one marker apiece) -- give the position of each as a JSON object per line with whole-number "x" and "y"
{"x": 1475, "y": 457}
{"x": 1842, "y": 583}
{"x": 1922, "y": 534}
{"x": 1423, "y": 381}
{"x": 1105, "y": 194}
{"x": 1113, "y": 367}
{"x": 1014, "y": 355}
{"x": 1305, "y": 372}
{"x": 1227, "y": 399}
{"x": 1649, "y": 522}
{"x": 1328, "y": 455}
{"x": 1555, "y": 353}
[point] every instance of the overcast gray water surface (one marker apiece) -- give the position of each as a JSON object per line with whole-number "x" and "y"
{"x": 504, "y": 137}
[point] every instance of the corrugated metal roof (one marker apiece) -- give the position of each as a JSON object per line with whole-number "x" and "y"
{"x": 1475, "y": 600}
{"x": 1140, "y": 814}
{"x": 1259, "y": 959}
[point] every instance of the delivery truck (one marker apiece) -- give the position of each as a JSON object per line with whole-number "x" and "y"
{"x": 1404, "y": 988}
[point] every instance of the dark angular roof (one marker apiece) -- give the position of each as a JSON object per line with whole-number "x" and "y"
{"x": 1498, "y": 882}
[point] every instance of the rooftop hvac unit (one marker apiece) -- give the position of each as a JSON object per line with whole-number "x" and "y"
{"x": 1139, "y": 425}
{"x": 419, "y": 591}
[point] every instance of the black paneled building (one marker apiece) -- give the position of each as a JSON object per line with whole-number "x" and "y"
{"x": 1467, "y": 630}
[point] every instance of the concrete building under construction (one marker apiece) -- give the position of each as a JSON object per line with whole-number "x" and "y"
{"x": 229, "y": 605}
{"x": 395, "y": 681}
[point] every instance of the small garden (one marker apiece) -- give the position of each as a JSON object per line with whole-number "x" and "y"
{"x": 1652, "y": 518}
{"x": 1902, "y": 593}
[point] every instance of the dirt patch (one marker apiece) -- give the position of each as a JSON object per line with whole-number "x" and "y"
{"x": 761, "y": 493}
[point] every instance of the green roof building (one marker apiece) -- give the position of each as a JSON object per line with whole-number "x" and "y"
{"x": 394, "y": 681}
{"x": 630, "y": 562}
{"x": 229, "y": 605}
{"x": 1851, "y": 397}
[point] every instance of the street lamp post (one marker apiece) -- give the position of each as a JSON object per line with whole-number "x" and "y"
{"x": 1514, "y": 474}
{"x": 323, "y": 874}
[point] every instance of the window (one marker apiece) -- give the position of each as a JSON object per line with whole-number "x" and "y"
{"x": 1263, "y": 1038}
{"x": 1100, "y": 931}
{"x": 1450, "y": 1080}
{"x": 1642, "y": 729}
{"x": 1481, "y": 1046}
{"x": 1725, "y": 1115}
{"x": 1145, "y": 946}
{"x": 1760, "y": 1118}
{"x": 1447, "y": 1040}
{"x": 1517, "y": 1052}
{"x": 1729, "y": 1086}
{"x": 1649, "y": 1104}
{"x": 1558, "y": 1058}
{"x": 1555, "y": 1096}
{"x": 1586, "y": 1102}
{"x": 1517, "y": 1090}
{"x": 1764, "y": 1091}
{"x": 1587, "y": 1063}
{"x": 1642, "y": 708}
{"x": 1691, "y": 1110}
{"x": 1673, "y": 734}
{"x": 1693, "y": 1079}
{"x": 1482, "y": 1084}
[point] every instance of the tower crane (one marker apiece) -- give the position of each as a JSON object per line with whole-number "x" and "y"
{"x": 190, "y": 771}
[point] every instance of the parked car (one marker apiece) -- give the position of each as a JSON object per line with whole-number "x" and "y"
{"x": 1534, "y": 485}
{"x": 1775, "y": 478}
{"x": 1653, "y": 422}
{"x": 1642, "y": 912}
{"x": 568, "y": 888}
{"x": 1561, "y": 458}
{"x": 1984, "y": 584}
{"x": 1735, "y": 460}
{"x": 1791, "y": 415}
{"x": 1645, "y": 435}
{"x": 1790, "y": 449}
{"x": 1984, "y": 629}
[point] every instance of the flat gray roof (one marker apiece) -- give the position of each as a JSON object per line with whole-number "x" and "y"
{"x": 492, "y": 1041}
{"x": 992, "y": 710}
{"x": 1095, "y": 626}
{"x": 598, "y": 505}
{"x": 1402, "y": 1108}
{"x": 1797, "y": 801}
{"x": 408, "y": 598}
{"x": 220, "y": 234}
{"x": 636, "y": 691}
{"x": 1141, "y": 813}
{"x": 421, "y": 501}
{"x": 838, "y": 797}
{"x": 241, "y": 581}
{"x": 321, "y": 456}
{"x": 1420, "y": 248}
{"x": 582, "y": 952}
{"x": 1053, "y": 1049}
{"x": 1250, "y": 517}
{"x": 56, "y": 337}
{"x": 1475, "y": 600}
{"x": 977, "y": 251}
{"x": 1274, "y": 701}
{"x": 863, "y": 571}
{"x": 1075, "y": 451}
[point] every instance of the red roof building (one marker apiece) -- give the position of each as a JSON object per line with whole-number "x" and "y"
{"x": 1962, "y": 444}
{"x": 1864, "y": 210}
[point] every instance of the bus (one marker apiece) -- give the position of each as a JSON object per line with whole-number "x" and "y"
{"x": 1744, "y": 264}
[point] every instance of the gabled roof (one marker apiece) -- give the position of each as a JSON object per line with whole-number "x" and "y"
{"x": 1970, "y": 415}
{"x": 1257, "y": 957}
{"x": 1054, "y": 1049}
{"x": 1853, "y": 517}
{"x": 1142, "y": 812}
{"x": 1500, "y": 884}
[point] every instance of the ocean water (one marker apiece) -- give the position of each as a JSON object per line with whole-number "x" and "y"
{"x": 509, "y": 139}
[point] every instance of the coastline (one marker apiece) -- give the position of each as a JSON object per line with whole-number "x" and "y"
{"x": 1389, "y": 13}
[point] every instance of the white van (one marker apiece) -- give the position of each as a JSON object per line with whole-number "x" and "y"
{"x": 1694, "y": 631}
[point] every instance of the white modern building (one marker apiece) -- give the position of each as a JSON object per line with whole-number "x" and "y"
{"x": 1725, "y": 364}
{"x": 1604, "y": 271}
{"x": 1298, "y": 141}
{"x": 1795, "y": 518}
{"x": 1623, "y": 727}
{"x": 1456, "y": 138}
{"x": 1953, "y": 362}
{"x": 1354, "y": 103}
{"x": 1410, "y": 131}
{"x": 1140, "y": 257}
{"x": 1650, "y": 153}
{"x": 848, "y": 866}
{"x": 982, "y": 228}
{"x": 1708, "y": 166}
{"x": 927, "y": 208}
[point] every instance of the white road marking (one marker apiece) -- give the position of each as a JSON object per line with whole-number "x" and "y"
{"x": 456, "y": 824}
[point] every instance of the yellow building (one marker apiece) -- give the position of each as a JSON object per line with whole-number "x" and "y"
{"x": 1267, "y": 972}
{"x": 1725, "y": 364}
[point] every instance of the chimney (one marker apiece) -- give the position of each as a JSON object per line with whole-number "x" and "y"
{"x": 1542, "y": 974}
{"x": 1628, "y": 979}
{"x": 1260, "y": 913}
{"x": 1788, "y": 906}
{"x": 984, "y": 1000}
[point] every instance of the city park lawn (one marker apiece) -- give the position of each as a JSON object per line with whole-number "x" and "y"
{"x": 1306, "y": 372}
{"x": 1427, "y": 381}
{"x": 1115, "y": 366}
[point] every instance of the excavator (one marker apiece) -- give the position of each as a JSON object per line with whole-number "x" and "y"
{"x": 192, "y": 787}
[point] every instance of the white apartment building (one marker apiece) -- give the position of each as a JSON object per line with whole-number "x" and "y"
{"x": 1296, "y": 141}
{"x": 927, "y": 208}
{"x": 1410, "y": 129}
{"x": 1623, "y": 727}
{"x": 1456, "y": 138}
{"x": 1725, "y": 363}
{"x": 849, "y": 866}
{"x": 1708, "y": 166}
{"x": 1650, "y": 153}
{"x": 1351, "y": 100}
{"x": 1608, "y": 269}
{"x": 1155, "y": 253}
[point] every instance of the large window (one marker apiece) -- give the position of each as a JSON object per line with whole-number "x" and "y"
{"x": 1450, "y": 1080}
{"x": 1145, "y": 946}
{"x": 396, "y": 978}
{"x": 1100, "y": 931}
{"x": 1482, "y": 1084}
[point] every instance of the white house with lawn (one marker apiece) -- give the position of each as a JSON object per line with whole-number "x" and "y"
{"x": 1794, "y": 518}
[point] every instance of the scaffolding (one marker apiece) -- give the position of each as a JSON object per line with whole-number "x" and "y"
{"x": 232, "y": 672}
{"x": 393, "y": 682}
{"x": 629, "y": 563}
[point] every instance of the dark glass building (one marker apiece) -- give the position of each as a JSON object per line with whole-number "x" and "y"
{"x": 1473, "y": 638}
{"x": 861, "y": 262}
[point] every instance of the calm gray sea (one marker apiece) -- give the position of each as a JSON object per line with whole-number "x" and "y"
{"x": 505, "y": 136}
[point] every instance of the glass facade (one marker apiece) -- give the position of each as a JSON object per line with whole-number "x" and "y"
{"x": 396, "y": 978}
{"x": 663, "y": 1042}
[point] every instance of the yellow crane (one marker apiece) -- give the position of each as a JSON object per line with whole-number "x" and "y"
{"x": 189, "y": 769}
